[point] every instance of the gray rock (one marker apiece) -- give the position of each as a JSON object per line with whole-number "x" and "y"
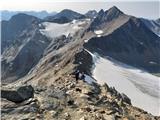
{"x": 126, "y": 99}
{"x": 21, "y": 94}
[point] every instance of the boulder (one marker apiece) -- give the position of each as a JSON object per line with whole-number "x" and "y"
{"x": 21, "y": 94}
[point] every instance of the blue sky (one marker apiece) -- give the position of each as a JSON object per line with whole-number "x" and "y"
{"x": 145, "y": 8}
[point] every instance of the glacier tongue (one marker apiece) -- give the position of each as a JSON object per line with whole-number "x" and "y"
{"x": 141, "y": 87}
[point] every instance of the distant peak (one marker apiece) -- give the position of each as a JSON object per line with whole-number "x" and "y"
{"x": 67, "y": 10}
{"x": 114, "y": 9}
{"x": 101, "y": 12}
{"x": 22, "y": 15}
{"x": 92, "y": 11}
{"x": 158, "y": 20}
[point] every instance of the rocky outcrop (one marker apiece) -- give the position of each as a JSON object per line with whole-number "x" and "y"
{"x": 126, "y": 99}
{"x": 84, "y": 62}
{"x": 21, "y": 94}
{"x": 71, "y": 100}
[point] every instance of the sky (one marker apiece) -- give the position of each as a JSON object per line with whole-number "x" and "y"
{"x": 140, "y": 8}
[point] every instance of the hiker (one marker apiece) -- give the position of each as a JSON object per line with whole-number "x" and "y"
{"x": 82, "y": 77}
{"x": 77, "y": 75}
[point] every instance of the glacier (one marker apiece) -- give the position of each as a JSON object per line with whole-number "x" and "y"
{"x": 140, "y": 86}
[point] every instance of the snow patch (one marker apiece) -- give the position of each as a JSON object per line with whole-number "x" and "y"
{"x": 98, "y": 32}
{"x": 86, "y": 40}
{"x": 42, "y": 41}
{"x": 98, "y": 35}
{"x": 152, "y": 62}
{"x": 74, "y": 21}
{"x": 140, "y": 86}
{"x": 141, "y": 43}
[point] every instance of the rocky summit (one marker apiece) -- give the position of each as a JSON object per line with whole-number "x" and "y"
{"x": 49, "y": 67}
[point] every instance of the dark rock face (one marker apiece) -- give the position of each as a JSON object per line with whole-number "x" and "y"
{"x": 126, "y": 99}
{"x": 26, "y": 58}
{"x": 132, "y": 43}
{"x": 158, "y": 20}
{"x": 104, "y": 17}
{"x": 84, "y": 62}
{"x": 23, "y": 43}
{"x": 15, "y": 26}
{"x": 64, "y": 16}
{"x": 153, "y": 25}
{"x": 21, "y": 94}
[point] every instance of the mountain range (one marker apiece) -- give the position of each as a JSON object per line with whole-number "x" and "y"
{"x": 45, "y": 52}
{"x": 6, "y": 15}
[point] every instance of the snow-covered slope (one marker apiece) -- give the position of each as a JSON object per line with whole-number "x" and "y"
{"x": 53, "y": 30}
{"x": 142, "y": 87}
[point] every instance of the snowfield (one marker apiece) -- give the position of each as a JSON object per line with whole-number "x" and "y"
{"x": 141, "y": 87}
{"x": 54, "y": 30}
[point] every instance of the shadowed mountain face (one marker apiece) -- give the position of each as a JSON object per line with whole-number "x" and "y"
{"x": 64, "y": 16}
{"x": 153, "y": 25}
{"x": 22, "y": 46}
{"x": 132, "y": 43}
{"x": 12, "y": 29}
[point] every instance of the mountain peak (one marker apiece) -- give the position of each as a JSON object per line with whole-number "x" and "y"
{"x": 68, "y": 13}
{"x": 101, "y": 12}
{"x": 111, "y": 13}
{"x": 22, "y": 16}
{"x": 114, "y": 11}
{"x": 103, "y": 17}
{"x": 158, "y": 20}
{"x": 91, "y": 13}
{"x": 67, "y": 10}
{"x": 114, "y": 8}
{"x": 65, "y": 16}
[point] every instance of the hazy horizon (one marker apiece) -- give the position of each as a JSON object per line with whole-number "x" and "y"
{"x": 145, "y": 9}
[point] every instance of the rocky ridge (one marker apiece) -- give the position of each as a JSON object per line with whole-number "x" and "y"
{"x": 57, "y": 96}
{"x": 68, "y": 100}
